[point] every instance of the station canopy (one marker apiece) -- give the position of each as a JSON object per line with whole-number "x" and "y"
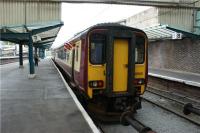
{"x": 43, "y": 35}
{"x": 163, "y": 32}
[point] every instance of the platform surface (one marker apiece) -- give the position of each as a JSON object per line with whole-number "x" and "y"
{"x": 183, "y": 77}
{"x": 40, "y": 105}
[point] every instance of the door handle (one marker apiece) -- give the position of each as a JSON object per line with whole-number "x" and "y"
{"x": 104, "y": 72}
{"x": 126, "y": 65}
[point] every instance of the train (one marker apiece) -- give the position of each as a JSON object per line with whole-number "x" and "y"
{"x": 108, "y": 65}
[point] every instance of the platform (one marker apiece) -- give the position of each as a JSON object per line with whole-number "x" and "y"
{"x": 40, "y": 105}
{"x": 182, "y": 77}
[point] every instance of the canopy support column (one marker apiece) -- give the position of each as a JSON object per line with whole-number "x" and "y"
{"x": 31, "y": 62}
{"x": 20, "y": 56}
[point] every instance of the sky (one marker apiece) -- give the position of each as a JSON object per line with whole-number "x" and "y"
{"x": 77, "y": 17}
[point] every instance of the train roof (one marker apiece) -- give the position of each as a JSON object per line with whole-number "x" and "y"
{"x": 101, "y": 25}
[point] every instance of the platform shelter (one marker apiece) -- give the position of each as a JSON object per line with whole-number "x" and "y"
{"x": 35, "y": 24}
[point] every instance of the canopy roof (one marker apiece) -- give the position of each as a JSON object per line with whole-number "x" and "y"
{"x": 162, "y": 32}
{"x": 43, "y": 35}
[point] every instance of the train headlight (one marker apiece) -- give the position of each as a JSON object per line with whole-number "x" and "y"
{"x": 138, "y": 81}
{"x": 96, "y": 84}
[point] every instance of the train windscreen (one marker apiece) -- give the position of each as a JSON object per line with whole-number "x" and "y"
{"x": 139, "y": 50}
{"x": 97, "y": 48}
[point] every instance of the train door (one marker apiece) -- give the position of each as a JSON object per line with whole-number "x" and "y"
{"x": 73, "y": 62}
{"x": 120, "y": 66}
{"x": 120, "y": 62}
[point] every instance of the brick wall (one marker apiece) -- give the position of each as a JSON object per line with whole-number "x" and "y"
{"x": 178, "y": 55}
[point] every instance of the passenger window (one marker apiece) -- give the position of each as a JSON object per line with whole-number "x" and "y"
{"x": 139, "y": 50}
{"x": 67, "y": 55}
{"x": 63, "y": 54}
{"x": 97, "y": 48}
{"x": 77, "y": 53}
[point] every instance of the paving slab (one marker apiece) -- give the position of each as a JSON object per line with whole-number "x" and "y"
{"x": 40, "y": 105}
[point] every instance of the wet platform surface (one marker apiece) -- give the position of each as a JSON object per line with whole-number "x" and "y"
{"x": 40, "y": 105}
{"x": 183, "y": 77}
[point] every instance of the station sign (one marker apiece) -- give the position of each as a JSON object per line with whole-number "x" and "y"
{"x": 177, "y": 35}
{"x": 36, "y": 38}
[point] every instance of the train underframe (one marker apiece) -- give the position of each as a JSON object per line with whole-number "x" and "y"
{"x": 104, "y": 107}
{"x": 109, "y": 108}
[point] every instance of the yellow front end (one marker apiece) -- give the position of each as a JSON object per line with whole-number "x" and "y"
{"x": 96, "y": 73}
{"x": 140, "y": 73}
{"x": 120, "y": 70}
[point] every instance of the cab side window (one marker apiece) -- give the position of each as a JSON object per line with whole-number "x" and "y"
{"x": 97, "y": 48}
{"x": 140, "y": 50}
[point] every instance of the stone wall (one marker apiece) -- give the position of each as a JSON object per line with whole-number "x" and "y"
{"x": 177, "y": 55}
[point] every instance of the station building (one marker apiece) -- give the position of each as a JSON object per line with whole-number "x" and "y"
{"x": 174, "y": 35}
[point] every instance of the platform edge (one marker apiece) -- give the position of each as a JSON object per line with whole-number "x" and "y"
{"x": 83, "y": 112}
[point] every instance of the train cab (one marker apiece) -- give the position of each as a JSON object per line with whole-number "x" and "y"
{"x": 108, "y": 64}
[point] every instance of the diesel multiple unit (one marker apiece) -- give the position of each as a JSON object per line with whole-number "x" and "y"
{"x": 107, "y": 64}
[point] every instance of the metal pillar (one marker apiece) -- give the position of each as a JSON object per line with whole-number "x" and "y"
{"x": 31, "y": 63}
{"x": 20, "y": 56}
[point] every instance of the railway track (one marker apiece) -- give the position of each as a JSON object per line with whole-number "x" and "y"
{"x": 170, "y": 104}
{"x": 178, "y": 89}
{"x": 150, "y": 97}
{"x": 168, "y": 101}
{"x": 118, "y": 128}
{"x": 139, "y": 126}
{"x": 181, "y": 99}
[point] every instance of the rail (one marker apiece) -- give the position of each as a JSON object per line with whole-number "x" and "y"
{"x": 187, "y": 108}
{"x": 179, "y": 113}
